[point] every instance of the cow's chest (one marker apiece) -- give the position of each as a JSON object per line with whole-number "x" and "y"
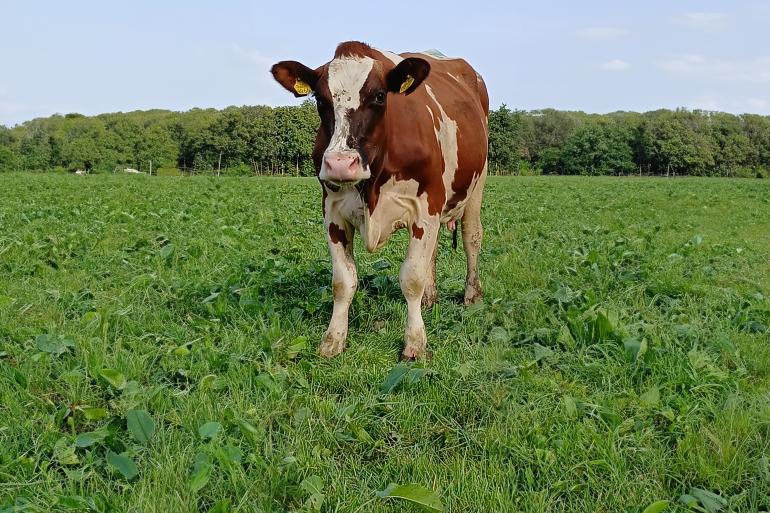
{"x": 398, "y": 206}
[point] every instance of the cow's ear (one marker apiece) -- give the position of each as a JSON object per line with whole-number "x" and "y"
{"x": 408, "y": 75}
{"x": 295, "y": 77}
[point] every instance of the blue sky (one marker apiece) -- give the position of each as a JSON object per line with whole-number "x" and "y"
{"x": 596, "y": 56}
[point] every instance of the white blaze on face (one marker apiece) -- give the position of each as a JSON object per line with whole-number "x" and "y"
{"x": 347, "y": 76}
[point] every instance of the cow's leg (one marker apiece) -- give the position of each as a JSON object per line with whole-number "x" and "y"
{"x": 339, "y": 235}
{"x": 472, "y": 234}
{"x": 413, "y": 278}
{"x": 431, "y": 290}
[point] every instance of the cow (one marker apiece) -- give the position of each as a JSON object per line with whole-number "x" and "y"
{"x": 402, "y": 144}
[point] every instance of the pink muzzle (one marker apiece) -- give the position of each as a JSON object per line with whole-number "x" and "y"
{"x": 343, "y": 167}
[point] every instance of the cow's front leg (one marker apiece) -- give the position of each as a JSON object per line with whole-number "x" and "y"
{"x": 413, "y": 277}
{"x": 339, "y": 234}
{"x": 430, "y": 295}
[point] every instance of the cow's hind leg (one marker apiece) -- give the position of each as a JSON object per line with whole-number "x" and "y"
{"x": 344, "y": 284}
{"x": 413, "y": 278}
{"x": 431, "y": 290}
{"x": 472, "y": 233}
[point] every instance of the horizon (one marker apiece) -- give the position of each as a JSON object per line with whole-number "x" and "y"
{"x": 95, "y": 59}
{"x": 530, "y": 112}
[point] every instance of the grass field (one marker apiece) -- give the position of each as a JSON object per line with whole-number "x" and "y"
{"x": 158, "y": 351}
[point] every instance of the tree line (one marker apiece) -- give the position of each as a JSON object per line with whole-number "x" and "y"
{"x": 278, "y": 140}
{"x": 235, "y": 140}
{"x": 662, "y": 142}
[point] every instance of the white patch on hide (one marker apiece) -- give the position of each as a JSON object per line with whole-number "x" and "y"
{"x": 447, "y": 139}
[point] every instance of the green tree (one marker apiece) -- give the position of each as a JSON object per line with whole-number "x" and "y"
{"x": 6, "y": 137}
{"x": 552, "y": 128}
{"x": 757, "y": 130}
{"x": 733, "y": 147}
{"x": 35, "y": 151}
{"x": 155, "y": 148}
{"x": 672, "y": 145}
{"x": 80, "y": 142}
{"x": 295, "y": 133}
{"x": 8, "y": 156}
{"x": 191, "y": 134}
{"x": 200, "y": 165}
{"x": 601, "y": 148}
{"x": 8, "y": 159}
{"x": 122, "y": 139}
{"x": 510, "y": 140}
{"x": 550, "y": 162}
{"x": 502, "y": 140}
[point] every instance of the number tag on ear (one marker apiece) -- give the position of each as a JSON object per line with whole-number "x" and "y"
{"x": 301, "y": 87}
{"x": 407, "y": 84}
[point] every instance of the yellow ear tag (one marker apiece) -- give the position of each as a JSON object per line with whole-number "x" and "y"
{"x": 301, "y": 87}
{"x": 407, "y": 84}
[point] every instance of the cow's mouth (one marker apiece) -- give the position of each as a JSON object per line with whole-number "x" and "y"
{"x": 348, "y": 184}
{"x": 343, "y": 168}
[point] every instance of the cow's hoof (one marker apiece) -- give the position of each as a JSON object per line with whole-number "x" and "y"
{"x": 471, "y": 299}
{"x": 472, "y": 293}
{"x": 415, "y": 342}
{"x": 412, "y": 356}
{"x": 331, "y": 345}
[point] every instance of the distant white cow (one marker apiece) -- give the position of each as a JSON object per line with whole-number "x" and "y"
{"x": 132, "y": 171}
{"x": 80, "y": 172}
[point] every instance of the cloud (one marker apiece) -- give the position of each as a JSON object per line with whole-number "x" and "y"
{"x": 698, "y": 66}
{"x": 692, "y": 63}
{"x": 615, "y": 65}
{"x": 601, "y": 33}
{"x": 706, "y": 21}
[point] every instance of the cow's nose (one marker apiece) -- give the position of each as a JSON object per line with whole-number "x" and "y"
{"x": 342, "y": 167}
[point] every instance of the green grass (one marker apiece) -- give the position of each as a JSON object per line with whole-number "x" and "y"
{"x": 621, "y": 355}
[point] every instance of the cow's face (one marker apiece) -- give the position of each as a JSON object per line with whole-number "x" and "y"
{"x": 351, "y": 93}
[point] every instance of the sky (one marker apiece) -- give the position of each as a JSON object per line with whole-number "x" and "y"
{"x": 596, "y": 56}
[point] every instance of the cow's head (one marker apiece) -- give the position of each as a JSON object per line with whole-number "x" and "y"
{"x": 351, "y": 92}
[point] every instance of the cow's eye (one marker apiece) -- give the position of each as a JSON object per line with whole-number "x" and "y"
{"x": 379, "y": 98}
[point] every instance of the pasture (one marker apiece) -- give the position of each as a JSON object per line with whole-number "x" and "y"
{"x": 158, "y": 345}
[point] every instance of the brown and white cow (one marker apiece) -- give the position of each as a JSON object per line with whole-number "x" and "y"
{"x": 402, "y": 144}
